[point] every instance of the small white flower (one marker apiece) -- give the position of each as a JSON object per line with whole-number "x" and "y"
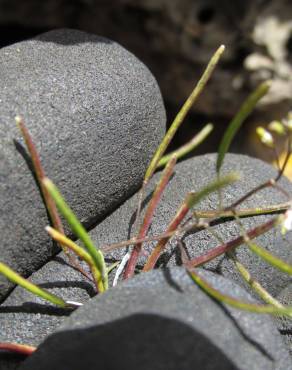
{"x": 287, "y": 221}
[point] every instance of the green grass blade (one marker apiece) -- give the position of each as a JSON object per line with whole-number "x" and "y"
{"x": 183, "y": 112}
{"x": 244, "y": 111}
{"x": 188, "y": 147}
{"x": 14, "y": 277}
{"x": 195, "y": 198}
{"x": 80, "y": 232}
{"x": 268, "y": 257}
{"x": 254, "y": 284}
{"x": 214, "y": 293}
{"x": 85, "y": 256}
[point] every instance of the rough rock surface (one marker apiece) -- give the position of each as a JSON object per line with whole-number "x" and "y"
{"x": 96, "y": 115}
{"x": 193, "y": 174}
{"x": 162, "y": 320}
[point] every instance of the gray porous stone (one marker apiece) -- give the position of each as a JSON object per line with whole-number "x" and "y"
{"x": 193, "y": 174}
{"x": 163, "y": 320}
{"x": 96, "y": 115}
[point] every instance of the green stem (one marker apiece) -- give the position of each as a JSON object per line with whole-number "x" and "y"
{"x": 248, "y": 212}
{"x": 270, "y": 309}
{"x": 244, "y": 111}
{"x": 183, "y": 112}
{"x": 188, "y": 147}
{"x": 268, "y": 257}
{"x": 62, "y": 239}
{"x": 255, "y": 285}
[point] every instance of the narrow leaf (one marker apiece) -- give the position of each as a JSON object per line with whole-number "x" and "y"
{"x": 214, "y": 293}
{"x": 80, "y": 232}
{"x": 254, "y": 285}
{"x": 247, "y": 212}
{"x": 62, "y": 239}
{"x": 183, "y": 112}
{"x": 268, "y": 257}
{"x": 244, "y": 111}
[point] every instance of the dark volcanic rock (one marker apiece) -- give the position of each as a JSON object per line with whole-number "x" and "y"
{"x": 162, "y": 320}
{"x": 96, "y": 115}
{"x": 193, "y": 174}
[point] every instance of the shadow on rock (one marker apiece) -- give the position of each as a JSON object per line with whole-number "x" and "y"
{"x": 141, "y": 341}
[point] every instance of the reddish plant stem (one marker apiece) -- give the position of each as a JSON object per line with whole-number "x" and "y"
{"x": 49, "y": 202}
{"x": 40, "y": 175}
{"x": 21, "y": 349}
{"x": 161, "y": 244}
{"x": 226, "y": 247}
{"x": 130, "y": 269}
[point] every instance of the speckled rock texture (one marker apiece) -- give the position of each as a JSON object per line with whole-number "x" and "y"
{"x": 162, "y": 320}
{"x": 96, "y": 115}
